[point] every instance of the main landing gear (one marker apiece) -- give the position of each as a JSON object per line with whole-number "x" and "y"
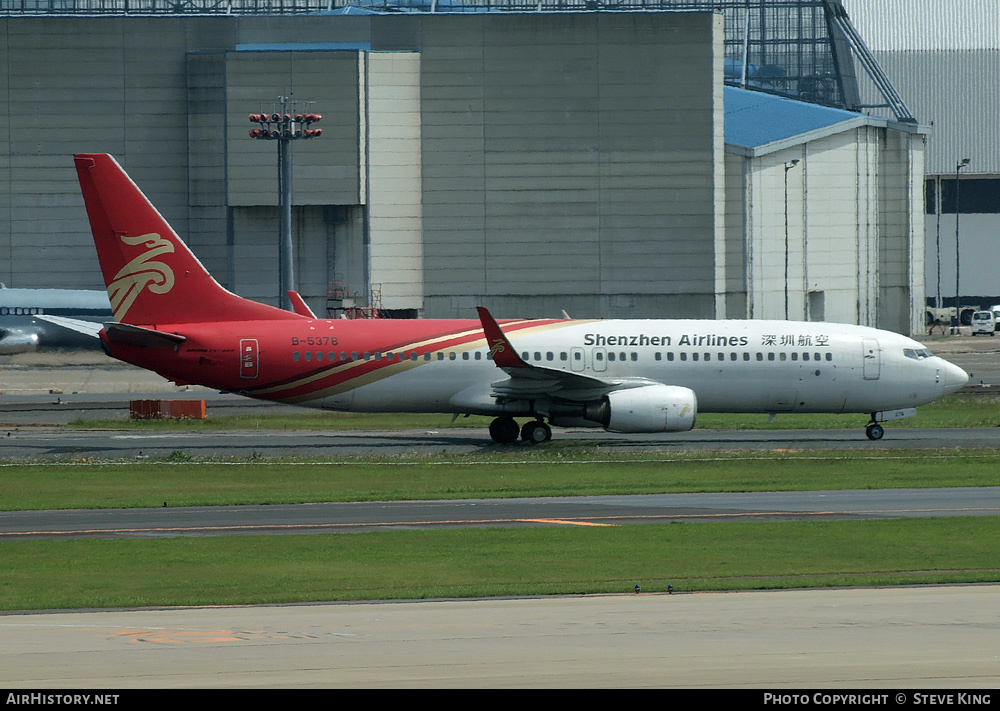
{"x": 504, "y": 430}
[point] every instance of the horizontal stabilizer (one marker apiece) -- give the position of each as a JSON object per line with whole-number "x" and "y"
{"x": 139, "y": 336}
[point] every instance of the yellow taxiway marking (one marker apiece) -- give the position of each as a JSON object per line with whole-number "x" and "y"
{"x": 563, "y": 521}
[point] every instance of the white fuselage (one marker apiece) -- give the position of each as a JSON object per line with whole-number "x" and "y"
{"x": 732, "y": 366}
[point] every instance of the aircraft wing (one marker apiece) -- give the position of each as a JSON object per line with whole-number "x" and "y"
{"x": 87, "y": 328}
{"x": 528, "y": 381}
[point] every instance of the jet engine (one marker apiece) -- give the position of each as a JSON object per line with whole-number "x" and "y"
{"x": 13, "y": 341}
{"x": 650, "y": 408}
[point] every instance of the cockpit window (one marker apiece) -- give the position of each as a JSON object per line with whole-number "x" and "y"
{"x": 917, "y": 353}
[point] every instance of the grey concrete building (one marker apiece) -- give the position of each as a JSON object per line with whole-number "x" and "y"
{"x": 528, "y": 162}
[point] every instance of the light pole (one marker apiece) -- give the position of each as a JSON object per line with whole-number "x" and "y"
{"x": 956, "y": 320}
{"x": 788, "y": 166}
{"x": 284, "y": 128}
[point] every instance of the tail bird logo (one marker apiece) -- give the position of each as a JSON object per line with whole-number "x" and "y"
{"x": 141, "y": 273}
{"x": 498, "y": 347}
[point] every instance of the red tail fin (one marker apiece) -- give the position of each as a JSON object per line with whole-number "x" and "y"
{"x": 151, "y": 275}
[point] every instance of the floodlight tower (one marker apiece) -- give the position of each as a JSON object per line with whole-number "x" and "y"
{"x": 284, "y": 127}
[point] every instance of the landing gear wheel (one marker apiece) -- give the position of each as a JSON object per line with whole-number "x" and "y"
{"x": 536, "y": 432}
{"x": 874, "y": 431}
{"x": 504, "y": 430}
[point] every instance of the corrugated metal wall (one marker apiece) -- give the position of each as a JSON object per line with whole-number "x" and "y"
{"x": 943, "y": 56}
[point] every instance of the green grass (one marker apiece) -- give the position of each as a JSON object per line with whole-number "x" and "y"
{"x": 47, "y": 574}
{"x": 491, "y": 562}
{"x": 535, "y": 472}
{"x": 952, "y": 411}
{"x": 306, "y": 420}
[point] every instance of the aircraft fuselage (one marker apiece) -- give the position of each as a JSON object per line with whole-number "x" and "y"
{"x": 445, "y": 365}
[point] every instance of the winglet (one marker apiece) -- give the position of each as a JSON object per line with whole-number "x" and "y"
{"x": 298, "y": 305}
{"x": 501, "y": 349}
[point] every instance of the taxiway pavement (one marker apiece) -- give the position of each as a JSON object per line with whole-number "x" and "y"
{"x": 881, "y": 638}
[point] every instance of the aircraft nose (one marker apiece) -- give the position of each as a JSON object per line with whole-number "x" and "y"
{"x": 953, "y": 378}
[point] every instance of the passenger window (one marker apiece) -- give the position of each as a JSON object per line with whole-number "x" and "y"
{"x": 783, "y": 356}
{"x": 694, "y": 356}
{"x": 670, "y": 355}
{"x": 795, "y": 356}
{"x": 309, "y": 356}
{"x": 770, "y": 356}
{"x": 829, "y": 356}
{"x": 658, "y": 356}
{"x": 684, "y": 356}
{"x": 465, "y": 355}
{"x": 295, "y": 355}
{"x": 611, "y": 357}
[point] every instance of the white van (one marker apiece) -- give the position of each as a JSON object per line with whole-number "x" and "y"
{"x": 983, "y": 322}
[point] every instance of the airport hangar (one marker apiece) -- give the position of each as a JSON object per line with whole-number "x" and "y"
{"x": 944, "y": 57}
{"x": 591, "y": 162}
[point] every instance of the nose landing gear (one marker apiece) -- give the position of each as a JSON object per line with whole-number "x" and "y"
{"x": 874, "y": 430}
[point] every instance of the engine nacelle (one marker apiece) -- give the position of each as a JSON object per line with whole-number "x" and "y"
{"x": 18, "y": 342}
{"x": 650, "y": 408}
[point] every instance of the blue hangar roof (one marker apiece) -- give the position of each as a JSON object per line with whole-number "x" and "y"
{"x": 758, "y": 123}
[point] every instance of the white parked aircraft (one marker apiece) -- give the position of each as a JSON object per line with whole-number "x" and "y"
{"x": 50, "y": 318}
{"x": 627, "y": 376}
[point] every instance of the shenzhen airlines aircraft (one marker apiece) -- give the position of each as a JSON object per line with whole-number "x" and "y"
{"x": 172, "y": 317}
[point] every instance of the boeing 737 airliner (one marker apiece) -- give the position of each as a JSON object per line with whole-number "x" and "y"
{"x": 627, "y": 376}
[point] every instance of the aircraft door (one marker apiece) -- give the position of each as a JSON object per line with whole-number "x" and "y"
{"x": 872, "y": 359}
{"x": 577, "y": 359}
{"x": 249, "y": 358}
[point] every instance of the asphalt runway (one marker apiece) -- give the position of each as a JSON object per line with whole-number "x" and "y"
{"x": 40, "y": 443}
{"x": 892, "y": 638}
{"x": 508, "y": 513}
